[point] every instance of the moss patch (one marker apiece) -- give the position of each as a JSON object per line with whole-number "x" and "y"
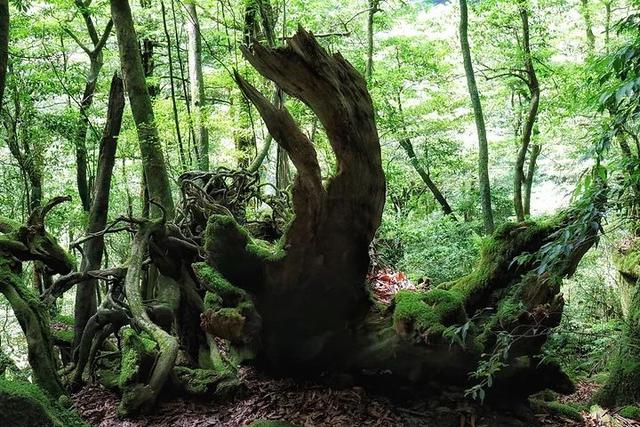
{"x": 427, "y": 312}
{"x": 138, "y": 352}
{"x": 631, "y": 412}
{"x": 556, "y": 408}
{"x": 239, "y": 258}
{"x": 25, "y": 405}
{"x": 200, "y": 382}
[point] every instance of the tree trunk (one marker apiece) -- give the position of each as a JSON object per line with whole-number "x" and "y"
{"x": 93, "y": 249}
{"x": 483, "y": 145}
{"x": 531, "y": 171}
{"x": 95, "y": 65}
{"x": 623, "y": 384}
{"x": 328, "y": 239}
{"x": 305, "y": 309}
{"x": 4, "y": 46}
{"x": 530, "y": 120}
{"x": 408, "y": 148}
{"x": 196, "y": 82}
{"x": 157, "y": 179}
{"x": 586, "y": 14}
{"x": 157, "y": 184}
{"x": 32, "y": 243}
{"x": 174, "y": 104}
{"x": 373, "y": 8}
{"x": 283, "y": 171}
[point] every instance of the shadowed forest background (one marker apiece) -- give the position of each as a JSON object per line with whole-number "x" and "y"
{"x": 319, "y": 213}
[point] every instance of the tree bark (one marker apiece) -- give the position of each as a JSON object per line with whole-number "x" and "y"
{"x": 586, "y": 14}
{"x": 437, "y": 194}
{"x": 483, "y": 145}
{"x": 327, "y": 242}
{"x": 528, "y": 184}
{"x": 4, "y": 46}
{"x": 32, "y": 243}
{"x": 95, "y": 65}
{"x": 157, "y": 179}
{"x": 174, "y": 105}
{"x": 623, "y": 383}
{"x": 196, "y": 83}
{"x": 373, "y": 8}
{"x": 143, "y": 396}
{"x": 329, "y": 322}
{"x": 527, "y": 131}
{"x": 93, "y": 249}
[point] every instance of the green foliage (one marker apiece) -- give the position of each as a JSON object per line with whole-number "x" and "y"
{"x": 591, "y": 320}
{"x": 433, "y": 247}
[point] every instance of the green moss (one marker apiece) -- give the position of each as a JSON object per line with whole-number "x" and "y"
{"x": 430, "y": 312}
{"x": 495, "y": 268}
{"x": 109, "y": 378}
{"x": 562, "y": 409}
{"x": 63, "y": 335}
{"x": 265, "y": 250}
{"x": 222, "y": 289}
{"x": 623, "y": 385}
{"x": 136, "y": 350}
{"x": 237, "y": 257}
{"x": 25, "y": 405}
{"x": 631, "y": 412}
{"x": 8, "y": 225}
{"x": 64, "y": 319}
{"x": 570, "y": 411}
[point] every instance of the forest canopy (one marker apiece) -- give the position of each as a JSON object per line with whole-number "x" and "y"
{"x": 288, "y": 212}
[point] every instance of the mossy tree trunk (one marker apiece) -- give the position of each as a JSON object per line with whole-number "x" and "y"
{"x": 4, "y": 45}
{"x": 623, "y": 384}
{"x": 305, "y": 307}
{"x": 32, "y": 243}
{"x": 93, "y": 249}
{"x": 483, "y": 145}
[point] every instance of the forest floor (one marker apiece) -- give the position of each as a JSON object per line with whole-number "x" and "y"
{"x": 325, "y": 404}
{"x": 315, "y": 404}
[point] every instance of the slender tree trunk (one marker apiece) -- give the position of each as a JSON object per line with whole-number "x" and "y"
{"x": 607, "y": 24}
{"x": 4, "y": 45}
{"x": 373, "y": 8}
{"x": 528, "y": 184}
{"x": 95, "y": 65}
{"x": 93, "y": 249}
{"x": 157, "y": 179}
{"x": 157, "y": 184}
{"x": 196, "y": 82}
{"x": 437, "y": 194}
{"x": 483, "y": 145}
{"x": 174, "y": 105}
{"x": 81, "y": 133}
{"x": 534, "y": 102}
{"x": 586, "y": 14}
